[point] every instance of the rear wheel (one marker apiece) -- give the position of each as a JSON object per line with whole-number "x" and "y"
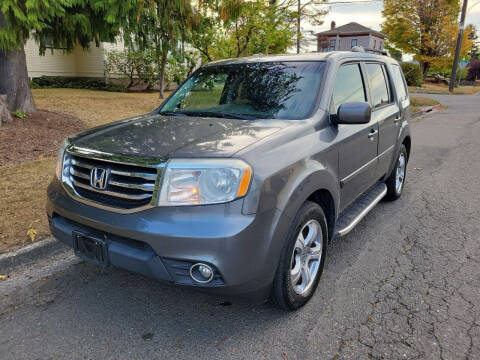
{"x": 396, "y": 180}
{"x": 302, "y": 260}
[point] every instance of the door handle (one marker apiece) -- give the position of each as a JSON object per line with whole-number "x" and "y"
{"x": 397, "y": 120}
{"x": 372, "y": 134}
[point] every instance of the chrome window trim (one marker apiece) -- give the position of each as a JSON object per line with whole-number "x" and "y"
{"x": 155, "y": 163}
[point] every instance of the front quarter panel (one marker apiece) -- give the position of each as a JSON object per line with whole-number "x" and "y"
{"x": 289, "y": 168}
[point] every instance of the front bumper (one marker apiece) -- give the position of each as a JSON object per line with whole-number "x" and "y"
{"x": 163, "y": 242}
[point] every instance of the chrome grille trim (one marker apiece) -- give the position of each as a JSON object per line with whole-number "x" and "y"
{"x": 144, "y": 187}
{"x": 81, "y": 164}
{"x": 141, "y": 175}
{"x": 111, "y": 193}
{"x": 133, "y": 185}
{"x": 79, "y": 174}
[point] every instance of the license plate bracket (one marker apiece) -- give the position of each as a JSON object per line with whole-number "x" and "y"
{"x": 90, "y": 248}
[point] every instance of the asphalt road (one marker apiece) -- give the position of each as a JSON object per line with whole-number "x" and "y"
{"x": 404, "y": 284}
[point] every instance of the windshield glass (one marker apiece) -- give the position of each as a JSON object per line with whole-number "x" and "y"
{"x": 285, "y": 90}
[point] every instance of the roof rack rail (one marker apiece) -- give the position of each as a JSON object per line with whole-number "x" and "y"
{"x": 373, "y": 51}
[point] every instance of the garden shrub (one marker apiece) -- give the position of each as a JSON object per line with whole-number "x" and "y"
{"x": 473, "y": 70}
{"x": 413, "y": 74}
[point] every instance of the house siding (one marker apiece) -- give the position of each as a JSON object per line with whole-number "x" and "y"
{"x": 78, "y": 63}
{"x": 346, "y": 42}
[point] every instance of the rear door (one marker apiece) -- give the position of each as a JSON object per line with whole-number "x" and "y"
{"x": 385, "y": 112}
{"x": 357, "y": 143}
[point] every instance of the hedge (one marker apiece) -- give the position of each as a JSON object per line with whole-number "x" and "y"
{"x": 50, "y": 82}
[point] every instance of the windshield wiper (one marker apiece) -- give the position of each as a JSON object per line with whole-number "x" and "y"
{"x": 229, "y": 116}
{"x": 208, "y": 114}
{"x": 171, "y": 113}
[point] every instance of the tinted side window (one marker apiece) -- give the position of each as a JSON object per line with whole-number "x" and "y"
{"x": 398, "y": 81}
{"x": 378, "y": 85}
{"x": 349, "y": 86}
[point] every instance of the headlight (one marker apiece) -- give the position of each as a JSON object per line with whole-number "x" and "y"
{"x": 61, "y": 152}
{"x": 204, "y": 181}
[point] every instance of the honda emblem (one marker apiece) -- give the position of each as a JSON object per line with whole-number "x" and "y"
{"x": 99, "y": 178}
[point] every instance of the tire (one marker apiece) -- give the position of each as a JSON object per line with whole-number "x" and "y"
{"x": 291, "y": 293}
{"x": 394, "y": 188}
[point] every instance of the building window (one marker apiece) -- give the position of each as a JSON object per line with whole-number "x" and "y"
{"x": 381, "y": 45}
{"x": 375, "y": 43}
{"x": 354, "y": 42}
{"x": 50, "y": 45}
{"x": 333, "y": 43}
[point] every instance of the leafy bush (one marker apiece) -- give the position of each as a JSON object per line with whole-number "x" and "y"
{"x": 51, "y": 82}
{"x": 134, "y": 66}
{"x": 473, "y": 70}
{"x": 413, "y": 74}
{"x": 137, "y": 66}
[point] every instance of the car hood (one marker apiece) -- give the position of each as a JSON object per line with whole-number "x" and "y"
{"x": 156, "y": 135}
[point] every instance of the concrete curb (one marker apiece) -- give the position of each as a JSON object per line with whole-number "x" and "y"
{"x": 49, "y": 247}
{"x": 426, "y": 110}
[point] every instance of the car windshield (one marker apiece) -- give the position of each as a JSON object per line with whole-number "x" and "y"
{"x": 264, "y": 90}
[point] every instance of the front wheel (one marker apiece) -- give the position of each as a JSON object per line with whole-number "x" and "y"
{"x": 396, "y": 180}
{"x": 302, "y": 259}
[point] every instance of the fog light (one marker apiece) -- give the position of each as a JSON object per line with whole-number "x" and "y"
{"x": 205, "y": 271}
{"x": 201, "y": 273}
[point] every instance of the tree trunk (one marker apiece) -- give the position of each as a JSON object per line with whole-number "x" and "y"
{"x": 161, "y": 78}
{"x": 425, "y": 66}
{"x": 5, "y": 115}
{"x": 14, "y": 81}
{"x": 14, "y": 78}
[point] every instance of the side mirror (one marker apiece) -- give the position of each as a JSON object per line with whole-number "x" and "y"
{"x": 354, "y": 113}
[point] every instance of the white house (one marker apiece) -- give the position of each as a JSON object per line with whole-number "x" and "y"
{"x": 347, "y": 36}
{"x": 79, "y": 63}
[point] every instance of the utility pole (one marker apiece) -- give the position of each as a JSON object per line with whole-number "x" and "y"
{"x": 459, "y": 45}
{"x": 298, "y": 27}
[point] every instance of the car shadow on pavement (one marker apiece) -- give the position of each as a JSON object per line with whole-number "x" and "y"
{"x": 113, "y": 307}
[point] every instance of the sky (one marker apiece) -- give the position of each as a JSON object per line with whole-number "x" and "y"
{"x": 370, "y": 15}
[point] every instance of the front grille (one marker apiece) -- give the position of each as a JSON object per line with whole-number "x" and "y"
{"x": 127, "y": 186}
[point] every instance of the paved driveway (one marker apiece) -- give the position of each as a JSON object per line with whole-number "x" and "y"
{"x": 404, "y": 284}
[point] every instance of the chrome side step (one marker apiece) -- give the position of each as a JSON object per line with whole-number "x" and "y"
{"x": 359, "y": 209}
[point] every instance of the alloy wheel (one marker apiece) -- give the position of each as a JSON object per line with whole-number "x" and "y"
{"x": 306, "y": 257}
{"x": 400, "y": 174}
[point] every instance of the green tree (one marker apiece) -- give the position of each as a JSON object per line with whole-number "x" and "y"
{"x": 64, "y": 23}
{"x": 159, "y": 25}
{"x": 243, "y": 28}
{"x": 475, "y": 51}
{"x": 425, "y": 28}
{"x": 395, "y": 53}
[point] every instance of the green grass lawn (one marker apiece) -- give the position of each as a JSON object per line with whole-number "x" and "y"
{"x": 429, "y": 88}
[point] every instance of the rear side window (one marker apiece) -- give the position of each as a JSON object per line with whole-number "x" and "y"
{"x": 397, "y": 78}
{"x": 349, "y": 86}
{"x": 378, "y": 85}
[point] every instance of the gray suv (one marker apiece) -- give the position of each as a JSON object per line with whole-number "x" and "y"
{"x": 238, "y": 182}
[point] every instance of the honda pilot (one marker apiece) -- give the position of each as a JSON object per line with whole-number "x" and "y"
{"x": 241, "y": 179}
